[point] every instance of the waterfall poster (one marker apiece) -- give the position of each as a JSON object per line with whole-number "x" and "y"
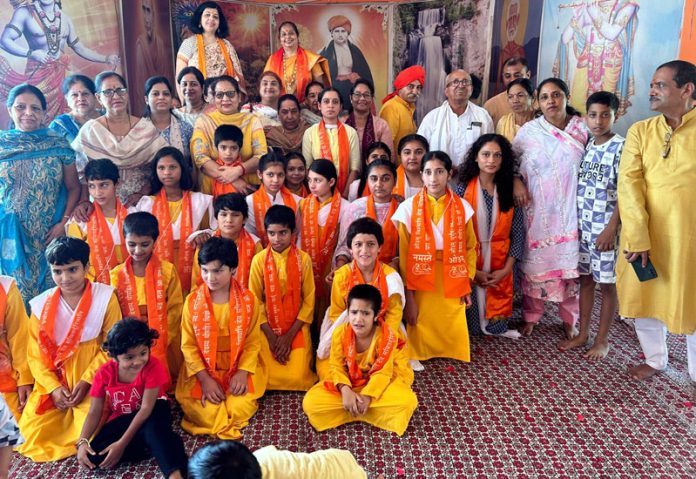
{"x": 441, "y": 35}
{"x": 516, "y": 27}
{"x": 359, "y": 30}
{"x": 64, "y": 38}
{"x": 597, "y": 46}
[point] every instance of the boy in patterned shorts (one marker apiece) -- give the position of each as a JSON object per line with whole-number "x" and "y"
{"x": 598, "y": 222}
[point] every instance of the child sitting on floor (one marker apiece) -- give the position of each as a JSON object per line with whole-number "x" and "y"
{"x": 226, "y": 459}
{"x": 148, "y": 288}
{"x": 16, "y": 381}
{"x": 282, "y": 279}
{"x": 67, "y": 328}
{"x": 220, "y": 338}
{"x": 363, "y": 383}
{"x": 131, "y": 387}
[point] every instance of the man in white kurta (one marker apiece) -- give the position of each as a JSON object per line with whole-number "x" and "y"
{"x": 457, "y": 124}
{"x": 656, "y": 191}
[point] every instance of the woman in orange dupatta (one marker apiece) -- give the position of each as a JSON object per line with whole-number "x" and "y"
{"x": 363, "y": 383}
{"x": 296, "y": 66}
{"x": 207, "y": 49}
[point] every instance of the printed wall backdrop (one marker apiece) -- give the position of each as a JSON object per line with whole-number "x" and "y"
{"x": 442, "y": 35}
{"x": 687, "y": 46}
{"x": 516, "y": 26}
{"x": 604, "y": 46}
{"x": 94, "y": 23}
{"x": 148, "y": 45}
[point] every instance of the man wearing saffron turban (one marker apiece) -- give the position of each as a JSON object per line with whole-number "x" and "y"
{"x": 399, "y": 106}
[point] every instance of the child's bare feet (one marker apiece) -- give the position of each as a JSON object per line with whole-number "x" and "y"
{"x": 642, "y": 371}
{"x": 573, "y": 343}
{"x": 598, "y": 351}
{"x": 527, "y": 329}
{"x": 570, "y": 330}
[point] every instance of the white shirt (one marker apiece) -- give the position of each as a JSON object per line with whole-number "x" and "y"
{"x": 445, "y": 131}
{"x": 250, "y": 224}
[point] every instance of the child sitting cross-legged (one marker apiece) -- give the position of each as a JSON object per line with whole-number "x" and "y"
{"x": 223, "y": 374}
{"x": 282, "y": 278}
{"x": 362, "y": 383}
{"x": 132, "y": 388}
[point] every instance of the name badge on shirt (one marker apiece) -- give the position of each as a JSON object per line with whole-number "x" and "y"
{"x": 475, "y": 123}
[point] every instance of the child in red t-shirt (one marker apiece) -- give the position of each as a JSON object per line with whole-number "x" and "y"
{"x": 131, "y": 390}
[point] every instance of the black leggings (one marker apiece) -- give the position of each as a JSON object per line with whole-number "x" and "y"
{"x": 154, "y": 438}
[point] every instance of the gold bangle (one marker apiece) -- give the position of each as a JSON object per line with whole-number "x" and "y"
{"x": 81, "y": 441}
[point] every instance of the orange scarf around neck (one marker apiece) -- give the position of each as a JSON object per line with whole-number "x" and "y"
{"x": 319, "y": 248}
{"x": 391, "y": 235}
{"x": 420, "y": 272}
{"x": 262, "y": 203}
{"x": 282, "y": 309}
{"x": 302, "y": 71}
{"x": 102, "y": 255}
{"x": 164, "y": 248}
{"x": 203, "y": 66}
{"x": 343, "y": 165}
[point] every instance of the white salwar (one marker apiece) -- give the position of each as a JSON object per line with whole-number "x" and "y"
{"x": 652, "y": 335}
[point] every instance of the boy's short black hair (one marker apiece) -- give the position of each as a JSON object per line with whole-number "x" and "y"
{"x": 219, "y": 249}
{"x": 101, "y": 169}
{"x": 128, "y": 333}
{"x": 232, "y": 202}
{"x": 222, "y": 460}
{"x": 603, "y": 98}
{"x": 66, "y": 249}
{"x": 366, "y": 292}
{"x": 270, "y": 158}
{"x": 280, "y": 215}
{"x": 228, "y": 133}
{"x": 141, "y": 223}
{"x": 366, "y": 226}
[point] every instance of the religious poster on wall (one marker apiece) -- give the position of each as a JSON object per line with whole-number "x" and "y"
{"x": 148, "y": 46}
{"x": 353, "y": 39}
{"x": 602, "y": 45}
{"x": 442, "y": 35}
{"x": 249, "y": 33}
{"x": 687, "y": 43}
{"x": 516, "y": 27}
{"x": 44, "y": 41}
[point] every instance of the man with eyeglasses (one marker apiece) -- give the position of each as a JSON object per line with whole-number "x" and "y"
{"x": 513, "y": 68}
{"x": 657, "y": 194}
{"x": 399, "y": 106}
{"x": 457, "y": 124}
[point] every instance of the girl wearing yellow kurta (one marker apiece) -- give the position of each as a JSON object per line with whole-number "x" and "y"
{"x": 103, "y": 229}
{"x": 16, "y": 381}
{"x": 333, "y": 140}
{"x": 203, "y": 151}
{"x": 437, "y": 234}
{"x": 363, "y": 383}
{"x": 319, "y": 219}
{"x": 231, "y": 213}
{"x": 224, "y": 374}
{"x": 179, "y": 212}
{"x": 67, "y": 328}
{"x": 158, "y": 299}
{"x": 281, "y": 277}
{"x": 365, "y": 240}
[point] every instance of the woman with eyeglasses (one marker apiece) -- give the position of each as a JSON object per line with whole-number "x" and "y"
{"x": 38, "y": 190}
{"x": 190, "y": 82}
{"x": 204, "y": 152}
{"x": 551, "y": 149}
{"x": 370, "y": 128}
{"x": 79, "y": 93}
{"x": 520, "y": 96}
{"x": 267, "y": 108}
{"x": 130, "y": 142}
{"x": 296, "y": 66}
{"x": 208, "y": 49}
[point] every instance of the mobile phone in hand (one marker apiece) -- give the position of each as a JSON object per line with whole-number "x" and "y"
{"x": 644, "y": 274}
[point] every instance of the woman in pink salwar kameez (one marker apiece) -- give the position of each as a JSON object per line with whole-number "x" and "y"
{"x": 550, "y": 149}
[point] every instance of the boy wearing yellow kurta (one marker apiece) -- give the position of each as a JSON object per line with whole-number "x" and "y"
{"x": 363, "y": 383}
{"x": 282, "y": 279}
{"x": 231, "y": 213}
{"x": 437, "y": 235}
{"x": 16, "y": 381}
{"x": 68, "y": 326}
{"x": 148, "y": 288}
{"x": 365, "y": 240}
{"x": 102, "y": 231}
{"x": 224, "y": 374}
